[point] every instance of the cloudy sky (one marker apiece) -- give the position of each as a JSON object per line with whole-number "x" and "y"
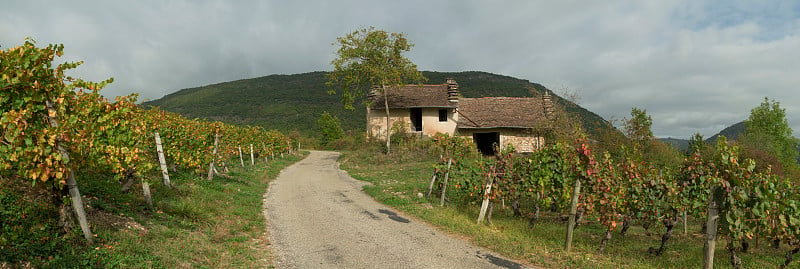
{"x": 695, "y": 66}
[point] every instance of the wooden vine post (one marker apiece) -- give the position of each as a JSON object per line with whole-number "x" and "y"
{"x": 213, "y": 157}
{"x": 485, "y": 204}
{"x": 72, "y": 184}
{"x": 685, "y": 224}
{"x": 252, "y": 161}
{"x": 433, "y": 179}
{"x": 444, "y": 184}
{"x": 711, "y": 228}
{"x": 430, "y": 186}
{"x": 162, "y": 161}
{"x": 573, "y": 210}
{"x": 147, "y": 197}
{"x": 241, "y": 160}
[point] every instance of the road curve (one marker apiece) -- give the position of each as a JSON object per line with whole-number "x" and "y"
{"x": 318, "y": 217}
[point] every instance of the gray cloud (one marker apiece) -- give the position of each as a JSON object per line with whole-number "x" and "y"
{"x": 695, "y": 66}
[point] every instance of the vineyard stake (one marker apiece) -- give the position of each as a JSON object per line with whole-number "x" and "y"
{"x": 685, "y": 230}
{"x": 240, "y": 156}
{"x": 72, "y": 184}
{"x": 573, "y": 209}
{"x": 161, "y": 160}
{"x": 433, "y": 179}
{"x": 147, "y": 197}
{"x": 430, "y": 186}
{"x": 711, "y": 228}
{"x": 213, "y": 157}
{"x": 444, "y": 186}
{"x": 485, "y": 204}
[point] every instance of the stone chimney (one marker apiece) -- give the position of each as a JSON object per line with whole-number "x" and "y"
{"x": 452, "y": 90}
{"x": 547, "y": 102}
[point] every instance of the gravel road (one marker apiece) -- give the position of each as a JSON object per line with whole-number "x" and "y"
{"x": 318, "y": 217}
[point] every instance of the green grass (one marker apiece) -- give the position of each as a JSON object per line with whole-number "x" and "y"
{"x": 195, "y": 224}
{"x": 400, "y": 176}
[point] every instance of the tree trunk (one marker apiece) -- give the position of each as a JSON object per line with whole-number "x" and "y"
{"x": 745, "y": 245}
{"x": 604, "y": 242}
{"x": 72, "y": 184}
{"x": 789, "y": 256}
{"x": 711, "y": 228}
{"x": 626, "y": 224}
{"x": 130, "y": 178}
{"x": 670, "y": 224}
{"x": 573, "y": 208}
{"x": 535, "y": 216}
{"x": 162, "y": 161}
{"x": 388, "y": 127}
{"x": 736, "y": 262}
{"x": 515, "y": 207}
{"x": 579, "y": 217}
{"x": 252, "y": 160}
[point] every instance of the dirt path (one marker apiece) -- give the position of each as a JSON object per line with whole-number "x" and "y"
{"x": 318, "y": 217}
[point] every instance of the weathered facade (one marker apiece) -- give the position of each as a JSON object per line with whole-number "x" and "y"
{"x": 491, "y": 121}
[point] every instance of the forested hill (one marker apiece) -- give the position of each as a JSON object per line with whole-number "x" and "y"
{"x": 294, "y": 102}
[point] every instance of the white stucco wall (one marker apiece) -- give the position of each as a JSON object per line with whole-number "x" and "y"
{"x": 376, "y": 121}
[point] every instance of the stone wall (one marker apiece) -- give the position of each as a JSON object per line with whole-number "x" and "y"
{"x": 522, "y": 143}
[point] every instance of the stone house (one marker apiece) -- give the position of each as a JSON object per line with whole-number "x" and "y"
{"x": 429, "y": 109}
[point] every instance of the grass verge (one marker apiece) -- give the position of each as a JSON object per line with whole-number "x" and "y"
{"x": 195, "y": 224}
{"x": 398, "y": 178}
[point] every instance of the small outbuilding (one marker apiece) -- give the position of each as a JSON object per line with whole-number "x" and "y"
{"x": 492, "y": 122}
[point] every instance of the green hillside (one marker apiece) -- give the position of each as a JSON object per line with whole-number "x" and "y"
{"x": 294, "y": 102}
{"x": 731, "y": 133}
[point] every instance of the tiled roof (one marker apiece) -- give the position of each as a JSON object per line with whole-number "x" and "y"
{"x": 414, "y": 96}
{"x": 490, "y": 112}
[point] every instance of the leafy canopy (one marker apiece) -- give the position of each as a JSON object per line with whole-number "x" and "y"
{"x": 370, "y": 58}
{"x": 330, "y": 127}
{"x": 768, "y": 129}
{"x": 638, "y": 127}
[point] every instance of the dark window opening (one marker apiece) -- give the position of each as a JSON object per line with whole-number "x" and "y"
{"x": 442, "y": 115}
{"x": 416, "y": 119}
{"x": 487, "y": 142}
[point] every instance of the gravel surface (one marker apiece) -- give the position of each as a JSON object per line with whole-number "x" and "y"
{"x": 318, "y": 217}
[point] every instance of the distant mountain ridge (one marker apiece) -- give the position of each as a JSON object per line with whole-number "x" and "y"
{"x": 294, "y": 102}
{"x": 731, "y": 133}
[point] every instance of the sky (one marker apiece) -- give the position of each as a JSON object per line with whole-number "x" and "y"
{"x": 695, "y": 66}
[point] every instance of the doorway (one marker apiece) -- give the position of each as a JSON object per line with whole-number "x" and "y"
{"x": 416, "y": 119}
{"x": 487, "y": 142}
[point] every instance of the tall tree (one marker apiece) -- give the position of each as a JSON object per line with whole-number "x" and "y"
{"x": 768, "y": 129}
{"x": 637, "y": 128}
{"x": 330, "y": 127}
{"x": 644, "y": 145}
{"x": 368, "y": 58}
{"x": 696, "y": 143}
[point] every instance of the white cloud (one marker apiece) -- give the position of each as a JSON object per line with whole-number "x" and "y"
{"x": 694, "y": 65}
